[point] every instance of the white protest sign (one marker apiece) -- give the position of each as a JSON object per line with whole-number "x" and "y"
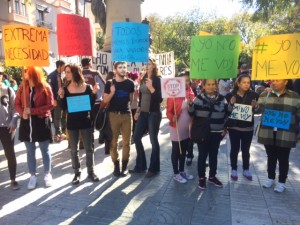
{"x": 173, "y": 87}
{"x": 166, "y": 64}
{"x": 241, "y": 112}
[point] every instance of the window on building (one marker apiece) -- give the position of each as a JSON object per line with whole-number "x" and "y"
{"x": 23, "y": 8}
{"x": 40, "y": 15}
{"x": 17, "y": 6}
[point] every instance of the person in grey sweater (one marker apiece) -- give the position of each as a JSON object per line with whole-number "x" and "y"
{"x": 8, "y": 124}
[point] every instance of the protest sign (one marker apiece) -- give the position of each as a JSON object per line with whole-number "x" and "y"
{"x": 25, "y": 45}
{"x": 276, "y": 57}
{"x": 173, "y": 87}
{"x": 78, "y": 103}
{"x": 102, "y": 62}
{"x": 214, "y": 57}
{"x": 276, "y": 118}
{"x": 74, "y": 35}
{"x": 241, "y": 112}
{"x": 165, "y": 64}
{"x": 130, "y": 42}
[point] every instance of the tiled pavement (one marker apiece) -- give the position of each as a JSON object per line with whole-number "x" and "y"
{"x": 138, "y": 200}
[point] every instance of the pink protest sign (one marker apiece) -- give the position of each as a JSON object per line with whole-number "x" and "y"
{"x": 173, "y": 87}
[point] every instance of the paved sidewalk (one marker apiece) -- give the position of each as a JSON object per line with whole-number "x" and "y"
{"x": 138, "y": 200}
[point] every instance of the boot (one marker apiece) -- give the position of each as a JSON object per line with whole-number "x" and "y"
{"x": 124, "y": 171}
{"x": 117, "y": 169}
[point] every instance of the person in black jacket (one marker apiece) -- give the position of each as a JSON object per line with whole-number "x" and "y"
{"x": 148, "y": 116}
{"x": 241, "y": 131}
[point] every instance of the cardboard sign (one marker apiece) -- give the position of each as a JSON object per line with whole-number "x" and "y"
{"x": 276, "y": 57}
{"x": 25, "y": 45}
{"x": 130, "y": 42}
{"x": 241, "y": 112}
{"x": 214, "y": 57}
{"x": 166, "y": 64}
{"x": 278, "y": 119}
{"x": 79, "y": 103}
{"x": 74, "y": 35}
{"x": 173, "y": 87}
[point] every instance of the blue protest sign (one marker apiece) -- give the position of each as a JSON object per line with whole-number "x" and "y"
{"x": 79, "y": 103}
{"x": 130, "y": 42}
{"x": 276, "y": 118}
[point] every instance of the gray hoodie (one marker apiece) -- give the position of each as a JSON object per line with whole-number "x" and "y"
{"x": 8, "y": 114}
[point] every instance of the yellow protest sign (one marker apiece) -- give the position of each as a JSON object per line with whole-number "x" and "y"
{"x": 276, "y": 57}
{"x": 25, "y": 45}
{"x": 204, "y": 33}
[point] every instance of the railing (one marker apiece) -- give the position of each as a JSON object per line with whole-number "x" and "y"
{"x": 45, "y": 24}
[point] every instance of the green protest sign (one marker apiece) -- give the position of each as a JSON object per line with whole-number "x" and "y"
{"x": 213, "y": 57}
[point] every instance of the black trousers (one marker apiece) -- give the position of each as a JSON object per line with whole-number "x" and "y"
{"x": 178, "y": 158}
{"x": 7, "y": 141}
{"x": 281, "y": 155}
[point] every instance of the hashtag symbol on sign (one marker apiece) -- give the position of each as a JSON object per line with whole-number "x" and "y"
{"x": 260, "y": 47}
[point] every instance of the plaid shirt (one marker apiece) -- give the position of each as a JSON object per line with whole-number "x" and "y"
{"x": 288, "y": 102}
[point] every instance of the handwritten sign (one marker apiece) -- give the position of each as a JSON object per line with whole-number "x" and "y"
{"x": 241, "y": 112}
{"x": 78, "y": 103}
{"x": 173, "y": 87}
{"x": 214, "y": 56}
{"x": 278, "y": 119}
{"x": 165, "y": 64}
{"x": 276, "y": 57}
{"x": 25, "y": 45}
{"x": 74, "y": 35}
{"x": 130, "y": 42}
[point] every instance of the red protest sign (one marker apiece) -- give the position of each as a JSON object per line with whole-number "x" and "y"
{"x": 74, "y": 35}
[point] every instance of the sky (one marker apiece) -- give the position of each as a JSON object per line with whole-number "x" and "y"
{"x": 166, "y": 8}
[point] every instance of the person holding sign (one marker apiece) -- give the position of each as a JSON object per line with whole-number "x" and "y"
{"x": 8, "y": 124}
{"x": 240, "y": 123}
{"x": 279, "y": 106}
{"x": 34, "y": 103}
{"x": 78, "y": 98}
{"x": 119, "y": 94}
{"x": 210, "y": 108}
{"x": 177, "y": 113}
{"x": 148, "y": 116}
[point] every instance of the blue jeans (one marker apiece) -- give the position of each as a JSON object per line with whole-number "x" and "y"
{"x": 151, "y": 121}
{"x": 87, "y": 136}
{"x": 31, "y": 160}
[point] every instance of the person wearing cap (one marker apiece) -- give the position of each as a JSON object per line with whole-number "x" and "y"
{"x": 59, "y": 115}
{"x": 93, "y": 77}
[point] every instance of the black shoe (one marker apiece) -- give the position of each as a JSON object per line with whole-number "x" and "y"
{"x": 117, "y": 172}
{"x": 215, "y": 181}
{"x": 124, "y": 171}
{"x": 135, "y": 170}
{"x": 150, "y": 174}
{"x": 76, "y": 178}
{"x": 189, "y": 161}
{"x": 202, "y": 183}
{"x": 93, "y": 177}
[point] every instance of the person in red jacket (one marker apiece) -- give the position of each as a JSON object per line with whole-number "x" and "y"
{"x": 177, "y": 113}
{"x": 34, "y": 103}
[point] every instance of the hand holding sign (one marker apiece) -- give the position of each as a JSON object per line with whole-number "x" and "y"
{"x": 233, "y": 100}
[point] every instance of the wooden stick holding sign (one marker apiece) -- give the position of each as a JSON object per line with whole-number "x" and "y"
{"x": 25, "y": 116}
{"x": 174, "y": 88}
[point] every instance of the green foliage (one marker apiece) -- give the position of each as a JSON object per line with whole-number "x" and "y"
{"x": 99, "y": 40}
{"x": 15, "y": 72}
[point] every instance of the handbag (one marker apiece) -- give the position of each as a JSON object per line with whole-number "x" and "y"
{"x": 200, "y": 129}
{"x": 100, "y": 120}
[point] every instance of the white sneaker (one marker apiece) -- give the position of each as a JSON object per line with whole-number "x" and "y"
{"x": 186, "y": 176}
{"x": 280, "y": 187}
{"x": 32, "y": 182}
{"x": 269, "y": 183}
{"x": 179, "y": 178}
{"x": 48, "y": 180}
